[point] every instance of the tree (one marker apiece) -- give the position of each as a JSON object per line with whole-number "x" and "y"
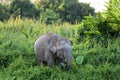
{"x": 47, "y": 8}
{"x": 68, "y": 10}
{"x": 4, "y": 12}
{"x": 24, "y": 8}
{"x": 75, "y": 12}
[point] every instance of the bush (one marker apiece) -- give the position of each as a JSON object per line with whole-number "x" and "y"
{"x": 106, "y": 23}
{"x": 49, "y": 17}
{"x": 4, "y": 12}
{"x": 24, "y": 8}
{"x": 75, "y": 12}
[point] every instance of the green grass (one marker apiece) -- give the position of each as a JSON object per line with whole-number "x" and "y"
{"x": 18, "y": 62}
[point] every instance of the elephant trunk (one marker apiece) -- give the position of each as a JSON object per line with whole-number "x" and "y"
{"x": 68, "y": 57}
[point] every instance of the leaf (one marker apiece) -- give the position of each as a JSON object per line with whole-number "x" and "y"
{"x": 31, "y": 30}
{"x": 63, "y": 65}
{"x": 79, "y": 60}
{"x": 25, "y": 33}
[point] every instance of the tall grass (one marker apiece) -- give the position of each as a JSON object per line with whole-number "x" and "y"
{"x": 18, "y": 62}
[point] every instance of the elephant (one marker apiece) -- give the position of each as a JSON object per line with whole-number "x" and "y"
{"x": 49, "y": 47}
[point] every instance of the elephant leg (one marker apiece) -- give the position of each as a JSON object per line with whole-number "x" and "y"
{"x": 49, "y": 58}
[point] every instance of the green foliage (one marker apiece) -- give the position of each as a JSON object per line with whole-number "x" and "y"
{"x": 23, "y": 8}
{"x": 4, "y": 12}
{"x": 48, "y": 11}
{"x": 95, "y": 54}
{"x": 106, "y": 23}
{"x": 73, "y": 12}
{"x": 79, "y": 60}
{"x": 17, "y": 59}
{"x": 49, "y": 17}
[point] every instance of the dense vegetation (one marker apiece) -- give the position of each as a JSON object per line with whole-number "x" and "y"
{"x": 96, "y": 48}
{"x": 48, "y": 11}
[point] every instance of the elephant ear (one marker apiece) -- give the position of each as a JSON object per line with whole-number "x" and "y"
{"x": 53, "y": 49}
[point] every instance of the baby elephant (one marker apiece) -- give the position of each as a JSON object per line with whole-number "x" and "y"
{"x": 50, "y": 47}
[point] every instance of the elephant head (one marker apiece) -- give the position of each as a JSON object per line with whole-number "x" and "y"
{"x": 63, "y": 49}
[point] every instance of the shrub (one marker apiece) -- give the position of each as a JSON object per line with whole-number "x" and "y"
{"x": 4, "y": 12}
{"x": 23, "y": 8}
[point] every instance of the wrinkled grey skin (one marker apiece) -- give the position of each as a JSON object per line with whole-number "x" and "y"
{"x": 50, "y": 47}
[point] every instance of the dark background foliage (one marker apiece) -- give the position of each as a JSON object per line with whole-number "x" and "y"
{"x": 4, "y": 12}
{"x": 48, "y": 11}
{"x": 24, "y": 8}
